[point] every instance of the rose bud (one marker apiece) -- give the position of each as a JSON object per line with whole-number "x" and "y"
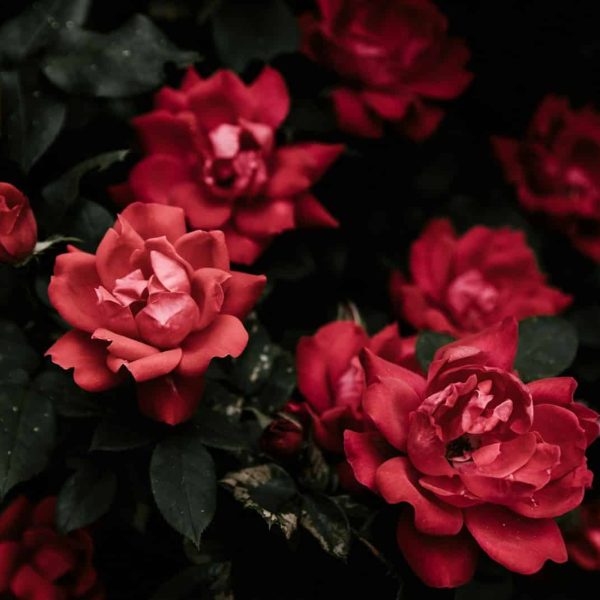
{"x": 555, "y": 170}
{"x": 462, "y": 284}
{"x": 36, "y": 562}
{"x": 18, "y": 228}
{"x": 395, "y": 61}
{"x": 212, "y": 150}
{"x": 477, "y": 459}
{"x": 583, "y": 541}
{"x": 155, "y": 303}
{"x": 282, "y": 439}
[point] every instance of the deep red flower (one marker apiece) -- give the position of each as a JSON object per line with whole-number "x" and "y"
{"x": 212, "y": 151}
{"x": 394, "y": 59}
{"x": 37, "y": 563}
{"x": 556, "y": 169}
{"x": 332, "y": 380}
{"x": 282, "y": 439}
{"x": 18, "y": 229}
{"x": 464, "y": 284}
{"x": 583, "y": 542}
{"x": 153, "y": 301}
{"x": 483, "y": 459}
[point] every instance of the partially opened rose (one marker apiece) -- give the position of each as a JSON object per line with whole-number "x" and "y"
{"x": 18, "y": 228}
{"x": 556, "y": 167}
{"x": 154, "y": 302}
{"x": 462, "y": 284}
{"x": 477, "y": 459}
{"x": 212, "y": 150}
{"x": 37, "y": 562}
{"x": 395, "y": 61}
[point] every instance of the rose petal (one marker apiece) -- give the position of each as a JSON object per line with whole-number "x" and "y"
{"x": 271, "y": 98}
{"x": 309, "y": 212}
{"x": 155, "y": 177}
{"x": 242, "y": 291}
{"x": 376, "y": 368}
{"x": 264, "y": 219}
{"x": 365, "y": 453}
{"x": 155, "y": 220}
{"x": 161, "y": 132}
{"x": 204, "y": 249}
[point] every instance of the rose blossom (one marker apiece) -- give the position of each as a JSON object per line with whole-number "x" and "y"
{"x": 463, "y": 284}
{"x": 483, "y": 459}
{"x": 212, "y": 151}
{"x": 555, "y": 169}
{"x": 393, "y": 58}
{"x": 18, "y": 229}
{"x": 37, "y": 563}
{"x": 153, "y": 301}
{"x": 583, "y": 542}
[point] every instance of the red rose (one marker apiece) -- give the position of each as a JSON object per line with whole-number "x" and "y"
{"x": 393, "y": 58}
{"x": 332, "y": 380}
{"x": 482, "y": 458}
{"x": 37, "y": 563}
{"x": 212, "y": 151}
{"x": 282, "y": 439}
{"x": 555, "y": 169}
{"x": 18, "y": 229}
{"x": 154, "y": 301}
{"x": 462, "y": 285}
{"x": 583, "y": 543}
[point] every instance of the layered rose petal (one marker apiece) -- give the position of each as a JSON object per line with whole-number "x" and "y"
{"x": 366, "y": 452}
{"x": 242, "y": 291}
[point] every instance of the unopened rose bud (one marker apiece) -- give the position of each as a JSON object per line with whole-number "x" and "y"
{"x": 282, "y": 439}
{"x": 18, "y": 229}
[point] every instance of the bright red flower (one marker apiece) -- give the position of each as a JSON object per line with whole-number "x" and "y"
{"x": 153, "y": 301}
{"x": 332, "y": 380}
{"x": 483, "y": 459}
{"x": 556, "y": 169}
{"x": 464, "y": 284}
{"x": 394, "y": 58}
{"x": 37, "y": 563}
{"x": 583, "y": 543}
{"x": 18, "y": 229}
{"x": 212, "y": 151}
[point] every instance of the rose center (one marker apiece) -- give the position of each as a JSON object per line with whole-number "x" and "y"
{"x": 460, "y": 449}
{"x": 472, "y": 299}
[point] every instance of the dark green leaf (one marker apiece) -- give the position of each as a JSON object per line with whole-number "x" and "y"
{"x": 326, "y": 521}
{"x": 184, "y": 484}
{"x": 89, "y": 224}
{"x": 210, "y": 580}
{"x": 268, "y": 490}
{"x": 15, "y": 352}
{"x": 252, "y": 369}
{"x": 31, "y": 118}
{"x": 39, "y": 25}
{"x": 547, "y": 346}
{"x": 114, "y": 433}
{"x": 124, "y": 62}
{"x": 279, "y": 387}
{"x": 587, "y": 322}
{"x": 26, "y": 435}
{"x": 260, "y": 29}
{"x": 68, "y": 398}
{"x": 84, "y": 498}
{"x": 218, "y": 431}
{"x": 428, "y": 343}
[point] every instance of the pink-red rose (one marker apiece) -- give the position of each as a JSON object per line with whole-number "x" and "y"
{"x": 555, "y": 170}
{"x": 394, "y": 59}
{"x": 155, "y": 302}
{"x": 37, "y": 563}
{"x": 212, "y": 151}
{"x": 483, "y": 460}
{"x": 18, "y": 229}
{"x": 332, "y": 380}
{"x": 464, "y": 284}
{"x": 583, "y": 542}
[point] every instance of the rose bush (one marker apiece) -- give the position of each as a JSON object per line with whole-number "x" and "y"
{"x": 555, "y": 169}
{"x": 464, "y": 284}
{"x": 393, "y": 59}
{"x": 212, "y": 151}
{"x": 155, "y": 302}
{"x": 18, "y": 228}
{"x": 37, "y": 563}
{"x": 481, "y": 458}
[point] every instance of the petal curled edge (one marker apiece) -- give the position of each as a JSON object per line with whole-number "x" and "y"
{"x": 366, "y": 452}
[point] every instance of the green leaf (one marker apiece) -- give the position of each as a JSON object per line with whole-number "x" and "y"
{"x": 268, "y": 490}
{"x": 326, "y": 521}
{"x": 89, "y": 223}
{"x": 15, "y": 352}
{"x": 218, "y": 431}
{"x": 252, "y": 369}
{"x": 27, "y": 433}
{"x": 114, "y": 434}
{"x": 62, "y": 194}
{"x": 38, "y": 26}
{"x": 279, "y": 387}
{"x": 184, "y": 484}
{"x": 84, "y": 498}
{"x": 260, "y": 29}
{"x": 587, "y": 322}
{"x": 547, "y": 346}
{"x": 210, "y": 580}
{"x": 124, "y": 62}
{"x": 428, "y": 343}
{"x": 68, "y": 399}
{"x": 31, "y": 118}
